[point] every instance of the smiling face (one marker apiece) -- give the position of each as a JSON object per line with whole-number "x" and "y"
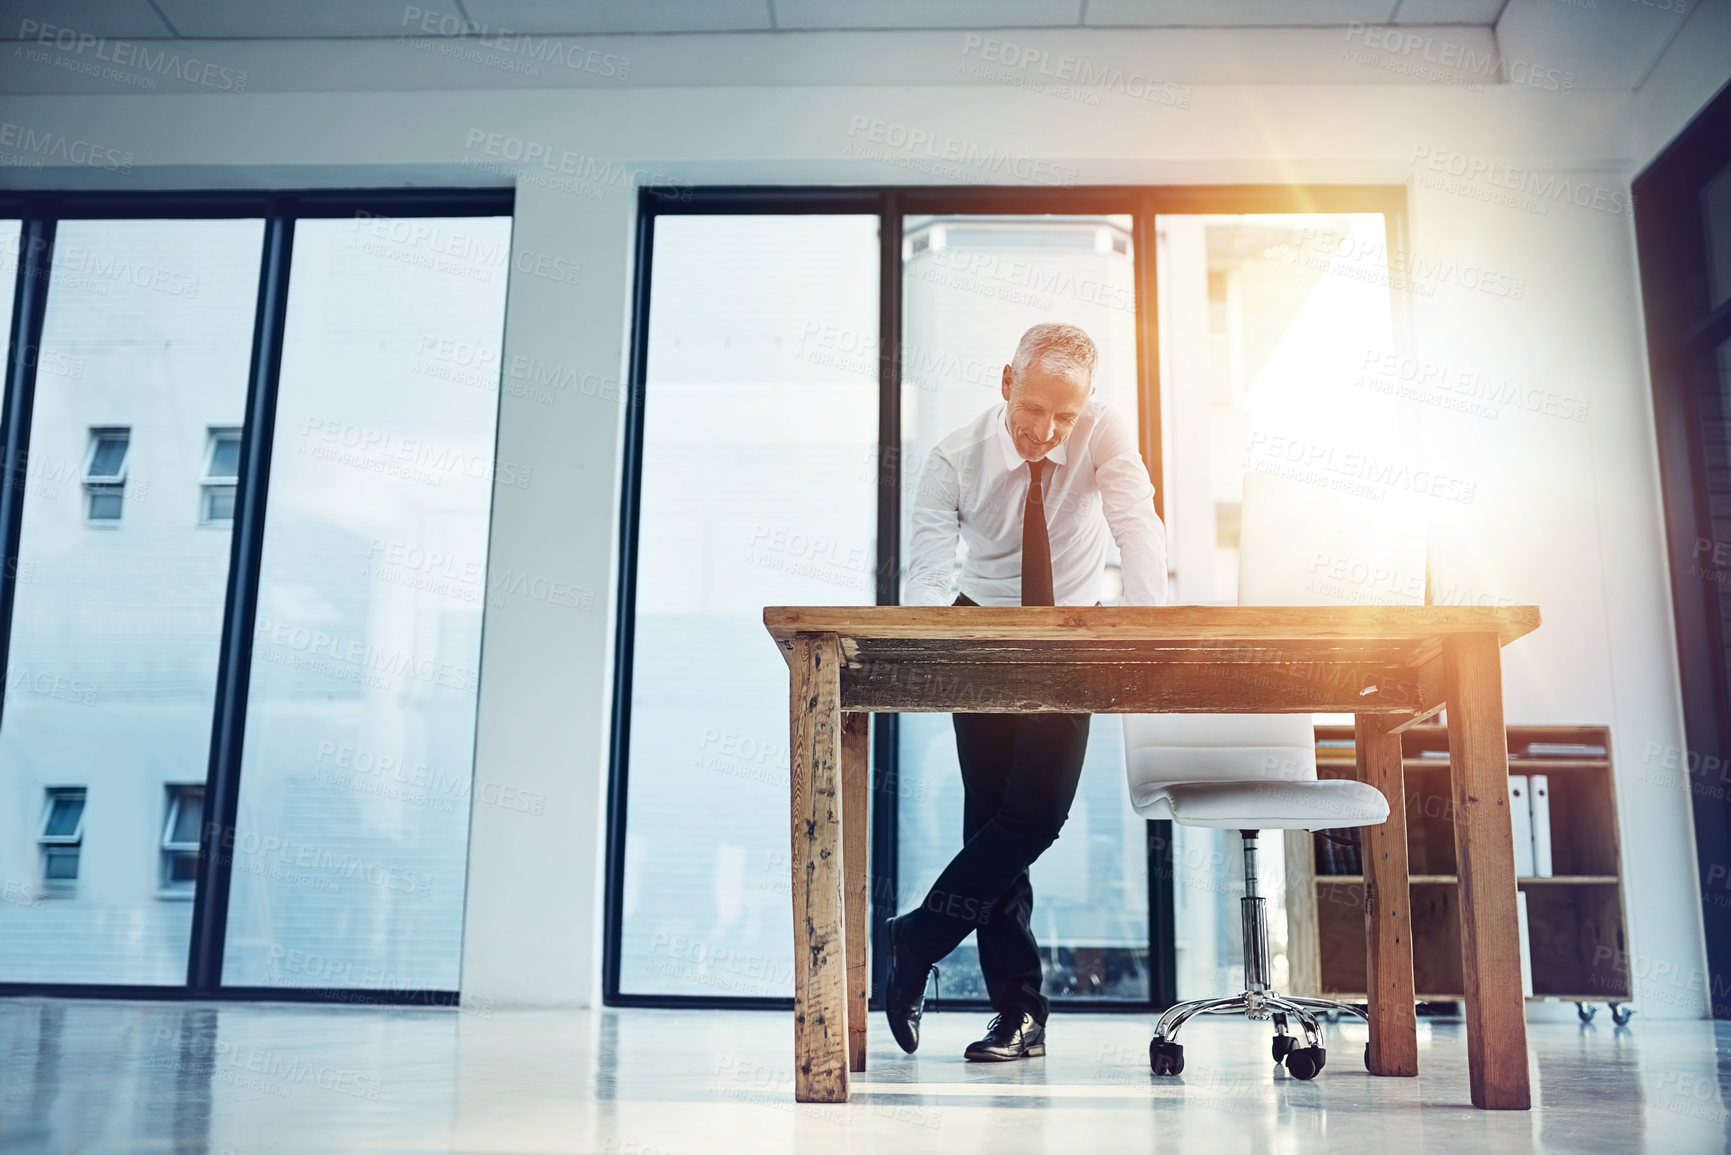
{"x": 1044, "y": 406}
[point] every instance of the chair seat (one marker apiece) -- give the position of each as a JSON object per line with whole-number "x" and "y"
{"x": 1264, "y": 804}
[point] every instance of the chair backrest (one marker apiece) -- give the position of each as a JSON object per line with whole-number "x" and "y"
{"x": 1163, "y": 748}
{"x": 1299, "y": 544}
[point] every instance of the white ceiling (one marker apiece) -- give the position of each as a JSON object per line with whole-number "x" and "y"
{"x": 1565, "y": 44}
{"x": 344, "y": 19}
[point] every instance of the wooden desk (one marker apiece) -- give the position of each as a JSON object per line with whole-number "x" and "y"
{"x": 1391, "y": 666}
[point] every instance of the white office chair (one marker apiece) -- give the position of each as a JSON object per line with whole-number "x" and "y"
{"x": 1249, "y": 773}
{"x": 1255, "y": 772}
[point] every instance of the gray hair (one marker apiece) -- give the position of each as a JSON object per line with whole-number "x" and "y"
{"x": 1057, "y": 348}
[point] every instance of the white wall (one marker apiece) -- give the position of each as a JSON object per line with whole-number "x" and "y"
{"x": 1568, "y": 514}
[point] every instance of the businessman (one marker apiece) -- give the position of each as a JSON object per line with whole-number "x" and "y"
{"x": 1033, "y": 485}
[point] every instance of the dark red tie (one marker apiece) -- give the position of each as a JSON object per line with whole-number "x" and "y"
{"x": 1036, "y": 545}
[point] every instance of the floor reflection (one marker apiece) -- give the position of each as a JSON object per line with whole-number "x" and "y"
{"x": 106, "y": 1077}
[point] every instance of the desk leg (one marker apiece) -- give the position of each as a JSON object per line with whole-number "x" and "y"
{"x": 855, "y": 808}
{"x": 819, "y": 933}
{"x": 1388, "y": 906}
{"x": 1485, "y": 855}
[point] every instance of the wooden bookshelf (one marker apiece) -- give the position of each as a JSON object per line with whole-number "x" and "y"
{"x": 1575, "y": 917}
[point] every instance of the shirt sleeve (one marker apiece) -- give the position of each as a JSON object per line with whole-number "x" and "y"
{"x": 936, "y": 526}
{"x": 1127, "y": 499}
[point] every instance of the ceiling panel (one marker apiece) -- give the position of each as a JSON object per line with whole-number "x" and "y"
{"x": 1610, "y": 46}
{"x": 1207, "y": 13}
{"x": 114, "y": 19}
{"x": 305, "y": 19}
{"x": 595, "y": 17}
{"x": 1449, "y": 11}
{"x": 806, "y": 14}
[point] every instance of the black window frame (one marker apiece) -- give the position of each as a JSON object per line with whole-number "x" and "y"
{"x": 891, "y": 204}
{"x": 39, "y": 214}
{"x": 1683, "y": 328}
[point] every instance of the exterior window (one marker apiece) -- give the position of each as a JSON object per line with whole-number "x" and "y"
{"x": 180, "y": 839}
{"x": 375, "y": 895}
{"x": 742, "y": 307}
{"x": 221, "y": 469}
{"x": 1092, "y": 909}
{"x": 118, "y": 626}
{"x": 62, "y": 838}
{"x": 105, "y": 474}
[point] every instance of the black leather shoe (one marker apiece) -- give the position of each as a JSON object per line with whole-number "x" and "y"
{"x": 904, "y": 992}
{"x": 1009, "y": 1037}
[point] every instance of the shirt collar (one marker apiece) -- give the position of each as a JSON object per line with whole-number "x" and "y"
{"x": 1012, "y": 459}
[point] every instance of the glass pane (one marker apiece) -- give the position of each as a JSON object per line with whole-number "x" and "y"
{"x": 64, "y": 812}
{"x": 759, "y": 488}
{"x": 187, "y": 817}
{"x": 219, "y": 503}
{"x": 108, "y": 454}
{"x": 351, "y": 847}
{"x": 1267, "y": 324}
{"x": 11, "y": 234}
{"x": 1710, "y": 560}
{"x": 112, "y": 671}
{"x": 60, "y": 864}
{"x": 972, "y": 286}
{"x": 107, "y": 503}
{"x": 1716, "y": 217}
{"x": 224, "y": 455}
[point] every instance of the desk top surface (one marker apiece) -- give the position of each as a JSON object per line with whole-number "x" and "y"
{"x": 1395, "y": 635}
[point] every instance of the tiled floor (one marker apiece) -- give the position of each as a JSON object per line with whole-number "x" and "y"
{"x": 245, "y": 1080}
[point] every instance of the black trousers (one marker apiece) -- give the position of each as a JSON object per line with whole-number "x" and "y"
{"x": 1019, "y": 776}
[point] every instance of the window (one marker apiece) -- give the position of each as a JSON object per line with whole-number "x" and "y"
{"x": 153, "y": 333}
{"x": 62, "y": 838}
{"x": 1262, "y": 327}
{"x": 180, "y": 839}
{"x": 105, "y": 474}
{"x": 874, "y": 322}
{"x": 958, "y": 330}
{"x": 221, "y": 471}
{"x": 1683, "y": 234}
{"x": 759, "y": 483}
{"x": 115, "y": 635}
{"x": 351, "y": 843}
{"x": 11, "y": 239}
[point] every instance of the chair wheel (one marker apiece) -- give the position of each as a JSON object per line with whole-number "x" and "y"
{"x": 1305, "y": 1062}
{"x": 1283, "y": 1045}
{"x": 1165, "y": 1058}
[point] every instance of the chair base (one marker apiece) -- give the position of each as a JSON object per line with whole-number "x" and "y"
{"x": 1259, "y": 1001}
{"x": 1167, "y": 1057}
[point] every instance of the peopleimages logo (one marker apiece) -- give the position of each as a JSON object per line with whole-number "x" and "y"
{"x": 1530, "y": 189}
{"x": 1058, "y": 73}
{"x": 139, "y": 58}
{"x": 577, "y": 172}
{"x": 937, "y": 154}
{"x": 35, "y": 148}
{"x": 534, "y": 49}
{"x": 1418, "y": 50}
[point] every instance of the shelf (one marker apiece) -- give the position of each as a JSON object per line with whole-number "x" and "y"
{"x": 1516, "y": 765}
{"x": 1432, "y": 997}
{"x": 1415, "y": 879}
{"x": 1433, "y": 879}
{"x": 1575, "y": 919}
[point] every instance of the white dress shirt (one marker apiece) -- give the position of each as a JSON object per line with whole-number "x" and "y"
{"x": 975, "y": 484}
